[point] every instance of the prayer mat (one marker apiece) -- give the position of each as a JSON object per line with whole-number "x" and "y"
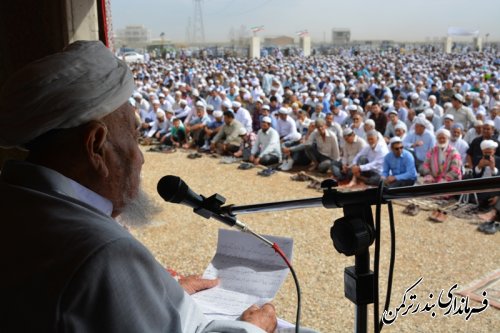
{"x": 490, "y": 283}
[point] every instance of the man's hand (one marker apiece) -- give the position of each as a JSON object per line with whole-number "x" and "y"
{"x": 356, "y": 171}
{"x": 263, "y": 317}
{"x": 390, "y": 179}
{"x": 194, "y": 283}
{"x": 418, "y": 143}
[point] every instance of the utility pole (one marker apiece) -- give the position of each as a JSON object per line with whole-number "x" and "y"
{"x": 198, "y": 32}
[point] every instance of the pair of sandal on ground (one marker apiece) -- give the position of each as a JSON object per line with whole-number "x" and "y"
{"x": 266, "y": 172}
{"x": 194, "y": 155}
{"x": 438, "y": 216}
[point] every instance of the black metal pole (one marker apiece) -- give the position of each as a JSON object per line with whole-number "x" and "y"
{"x": 362, "y": 267}
{"x": 333, "y": 198}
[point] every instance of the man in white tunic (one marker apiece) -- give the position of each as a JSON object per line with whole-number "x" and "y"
{"x": 75, "y": 269}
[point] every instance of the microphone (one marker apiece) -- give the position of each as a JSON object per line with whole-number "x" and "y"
{"x": 174, "y": 189}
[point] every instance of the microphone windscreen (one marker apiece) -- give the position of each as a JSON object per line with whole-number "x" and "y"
{"x": 172, "y": 189}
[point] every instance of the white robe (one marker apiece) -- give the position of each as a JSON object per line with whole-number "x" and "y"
{"x": 68, "y": 266}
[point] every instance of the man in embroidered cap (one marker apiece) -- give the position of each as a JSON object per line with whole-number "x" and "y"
{"x": 74, "y": 268}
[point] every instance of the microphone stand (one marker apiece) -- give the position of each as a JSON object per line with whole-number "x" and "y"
{"x": 355, "y": 232}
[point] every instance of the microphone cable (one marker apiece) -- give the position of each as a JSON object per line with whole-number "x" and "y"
{"x": 377, "y": 321}
{"x": 278, "y": 250}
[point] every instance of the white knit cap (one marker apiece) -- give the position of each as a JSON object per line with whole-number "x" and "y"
{"x": 64, "y": 90}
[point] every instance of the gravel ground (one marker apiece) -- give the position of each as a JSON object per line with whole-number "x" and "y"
{"x": 443, "y": 254}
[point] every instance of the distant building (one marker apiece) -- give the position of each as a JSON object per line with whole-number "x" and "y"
{"x": 279, "y": 41}
{"x": 341, "y": 36}
{"x": 136, "y": 36}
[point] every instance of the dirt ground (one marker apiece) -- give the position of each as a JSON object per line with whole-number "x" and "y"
{"x": 442, "y": 254}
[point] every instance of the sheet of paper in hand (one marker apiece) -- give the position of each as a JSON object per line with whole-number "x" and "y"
{"x": 250, "y": 272}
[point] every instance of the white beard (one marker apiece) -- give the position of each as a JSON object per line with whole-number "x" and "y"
{"x": 138, "y": 211}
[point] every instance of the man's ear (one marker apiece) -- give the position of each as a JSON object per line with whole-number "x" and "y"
{"x": 95, "y": 147}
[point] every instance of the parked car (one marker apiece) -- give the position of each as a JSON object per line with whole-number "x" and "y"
{"x": 133, "y": 57}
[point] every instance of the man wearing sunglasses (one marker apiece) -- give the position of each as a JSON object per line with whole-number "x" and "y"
{"x": 399, "y": 165}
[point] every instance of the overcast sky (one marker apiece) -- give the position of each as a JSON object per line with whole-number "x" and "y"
{"x": 367, "y": 19}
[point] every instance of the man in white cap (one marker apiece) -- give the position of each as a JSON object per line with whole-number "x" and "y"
{"x": 390, "y": 129}
{"x": 417, "y": 104}
{"x": 214, "y": 99}
{"x": 419, "y": 141}
{"x": 458, "y": 142}
{"x": 433, "y": 118}
{"x": 140, "y": 103}
{"x": 460, "y": 113}
{"x": 183, "y": 111}
{"x": 75, "y": 268}
{"x": 287, "y": 128}
{"x": 227, "y": 141}
{"x": 368, "y": 164}
{"x": 195, "y": 128}
{"x": 447, "y": 92}
{"x": 212, "y": 129}
{"x": 266, "y": 149}
{"x": 399, "y": 165}
{"x": 322, "y": 147}
{"x": 436, "y": 108}
{"x": 475, "y": 153}
{"x": 243, "y": 116}
{"x": 474, "y": 131}
{"x": 352, "y": 146}
{"x": 159, "y": 127}
{"x": 400, "y": 131}
{"x": 148, "y": 117}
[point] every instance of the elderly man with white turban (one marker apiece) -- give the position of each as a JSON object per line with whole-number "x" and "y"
{"x": 67, "y": 264}
{"x": 443, "y": 162}
{"x": 487, "y": 166}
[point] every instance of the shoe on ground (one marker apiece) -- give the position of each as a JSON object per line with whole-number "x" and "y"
{"x": 287, "y": 165}
{"x": 441, "y": 217}
{"x": 266, "y": 172}
{"x": 491, "y": 228}
{"x": 314, "y": 184}
{"x": 412, "y": 210}
{"x": 205, "y": 148}
{"x": 227, "y": 160}
{"x": 301, "y": 177}
{"x": 245, "y": 166}
{"x": 434, "y": 215}
{"x": 407, "y": 208}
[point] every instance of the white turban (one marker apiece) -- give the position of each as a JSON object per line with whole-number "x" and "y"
{"x": 488, "y": 144}
{"x": 84, "y": 82}
{"x": 443, "y": 131}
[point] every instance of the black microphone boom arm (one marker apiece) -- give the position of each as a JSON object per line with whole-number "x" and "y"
{"x": 333, "y": 198}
